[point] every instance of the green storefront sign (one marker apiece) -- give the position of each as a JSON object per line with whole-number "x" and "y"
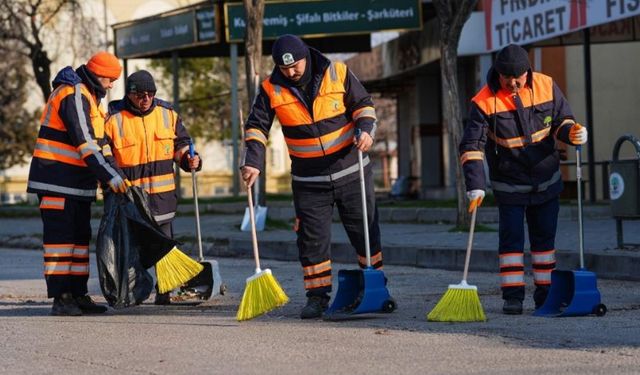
{"x": 166, "y": 33}
{"x": 329, "y": 17}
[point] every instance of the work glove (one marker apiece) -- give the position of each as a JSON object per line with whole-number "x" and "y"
{"x": 578, "y": 134}
{"x": 475, "y": 198}
{"x": 119, "y": 185}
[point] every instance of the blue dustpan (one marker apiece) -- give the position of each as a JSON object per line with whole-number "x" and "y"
{"x": 361, "y": 291}
{"x": 573, "y": 293}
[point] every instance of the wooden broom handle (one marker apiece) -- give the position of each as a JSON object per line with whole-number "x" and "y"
{"x": 254, "y": 236}
{"x": 469, "y": 244}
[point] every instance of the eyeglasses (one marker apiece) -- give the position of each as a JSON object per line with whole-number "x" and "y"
{"x": 143, "y": 94}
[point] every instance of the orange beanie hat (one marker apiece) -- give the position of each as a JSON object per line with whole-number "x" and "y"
{"x": 105, "y": 64}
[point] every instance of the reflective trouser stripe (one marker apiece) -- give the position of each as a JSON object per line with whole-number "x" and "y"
{"x": 317, "y": 282}
{"x": 376, "y": 260}
{"x": 513, "y": 278}
{"x": 317, "y": 268}
{"x": 544, "y": 262}
{"x": 334, "y": 176}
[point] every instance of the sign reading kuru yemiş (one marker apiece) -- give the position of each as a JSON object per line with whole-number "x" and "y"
{"x": 328, "y": 17}
{"x": 166, "y": 33}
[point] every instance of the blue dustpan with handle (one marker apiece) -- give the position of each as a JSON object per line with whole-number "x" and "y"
{"x": 574, "y": 293}
{"x": 361, "y": 291}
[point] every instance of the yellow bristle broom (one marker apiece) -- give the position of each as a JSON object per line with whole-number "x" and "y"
{"x": 461, "y": 302}
{"x": 262, "y": 293}
{"x": 175, "y": 269}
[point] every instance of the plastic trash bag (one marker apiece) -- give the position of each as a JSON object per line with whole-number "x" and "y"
{"x": 129, "y": 241}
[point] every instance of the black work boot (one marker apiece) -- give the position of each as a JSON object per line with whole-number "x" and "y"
{"x": 316, "y": 305}
{"x": 86, "y": 304}
{"x": 540, "y": 295}
{"x": 512, "y": 307}
{"x": 65, "y": 305}
{"x": 162, "y": 298}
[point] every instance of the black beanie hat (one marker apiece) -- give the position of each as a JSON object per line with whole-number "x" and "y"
{"x": 140, "y": 81}
{"x": 512, "y": 60}
{"x": 288, "y": 49}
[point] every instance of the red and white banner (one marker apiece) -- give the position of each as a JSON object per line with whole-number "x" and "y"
{"x": 527, "y": 21}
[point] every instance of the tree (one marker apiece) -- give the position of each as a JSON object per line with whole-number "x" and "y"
{"x": 27, "y": 26}
{"x": 204, "y": 104}
{"x": 18, "y": 126}
{"x": 254, "y": 13}
{"x": 452, "y": 15}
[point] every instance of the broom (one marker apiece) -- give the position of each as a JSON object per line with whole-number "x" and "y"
{"x": 173, "y": 267}
{"x": 461, "y": 302}
{"x": 262, "y": 293}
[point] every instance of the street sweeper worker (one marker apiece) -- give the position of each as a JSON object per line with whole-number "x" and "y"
{"x": 320, "y": 105}
{"x": 514, "y": 123}
{"x": 146, "y": 136}
{"x": 66, "y": 165}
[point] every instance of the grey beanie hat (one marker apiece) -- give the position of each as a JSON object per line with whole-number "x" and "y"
{"x": 140, "y": 81}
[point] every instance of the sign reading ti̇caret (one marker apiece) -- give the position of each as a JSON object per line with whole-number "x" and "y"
{"x": 527, "y": 21}
{"x": 329, "y": 17}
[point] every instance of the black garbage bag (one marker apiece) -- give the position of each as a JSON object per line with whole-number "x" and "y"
{"x": 129, "y": 241}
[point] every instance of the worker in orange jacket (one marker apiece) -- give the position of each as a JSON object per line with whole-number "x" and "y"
{"x": 514, "y": 123}
{"x": 320, "y": 105}
{"x": 146, "y": 136}
{"x": 67, "y": 163}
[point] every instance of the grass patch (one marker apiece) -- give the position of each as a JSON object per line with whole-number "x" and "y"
{"x": 465, "y": 229}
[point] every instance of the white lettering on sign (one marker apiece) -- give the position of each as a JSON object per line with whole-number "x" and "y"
{"x": 373, "y": 15}
{"x": 307, "y": 18}
{"x": 343, "y": 16}
{"x": 527, "y": 21}
{"x": 278, "y": 20}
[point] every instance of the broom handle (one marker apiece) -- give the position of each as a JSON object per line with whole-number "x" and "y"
{"x": 194, "y": 184}
{"x": 579, "y": 181}
{"x": 467, "y": 258}
{"x": 363, "y": 193}
{"x": 254, "y": 236}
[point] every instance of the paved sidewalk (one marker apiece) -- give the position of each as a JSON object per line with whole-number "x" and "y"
{"x": 421, "y": 244}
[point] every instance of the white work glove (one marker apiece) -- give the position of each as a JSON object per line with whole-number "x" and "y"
{"x": 475, "y": 198}
{"x": 578, "y": 134}
{"x": 119, "y": 185}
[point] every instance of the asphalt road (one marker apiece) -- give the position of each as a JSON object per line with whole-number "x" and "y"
{"x": 206, "y": 339}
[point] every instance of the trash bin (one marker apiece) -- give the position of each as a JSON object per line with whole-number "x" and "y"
{"x": 624, "y": 185}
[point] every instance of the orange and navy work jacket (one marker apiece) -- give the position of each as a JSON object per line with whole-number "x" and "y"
{"x": 517, "y": 136}
{"x": 67, "y": 159}
{"x": 145, "y": 146}
{"x": 318, "y": 122}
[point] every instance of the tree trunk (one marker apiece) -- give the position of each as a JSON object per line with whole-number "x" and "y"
{"x": 41, "y": 65}
{"x": 254, "y": 13}
{"x": 452, "y": 15}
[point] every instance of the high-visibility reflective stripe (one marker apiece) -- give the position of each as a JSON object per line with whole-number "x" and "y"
{"x": 80, "y": 251}
{"x": 364, "y": 112}
{"x": 58, "y": 250}
{"x": 471, "y": 155}
{"x": 317, "y": 268}
{"x": 542, "y": 277}
{"x": 512, "y": 260}
{"x": 88, "y": 148}
{"x": 515, "y": 278}
{"x": 327, "y": 144}
{"x": 519, "y": 141}
{"x": 156, "y": 184}
{"x": 332, "y": 71}
{"x": 317, "y": 283}
{"x": 52, "y": 203}
{"x": 57, "y": 268}
{"x": 163, "y": 217}
{"x": 85, "y": 131}
{"x": 334, "y": 176}
{"x": 79, "y": 269}
{"x": 165, "y": 118}
{"x": 58, "y": 151}
{"x": 118, "y": 117}
{"x": 374, "y": 259}
{"x": 106, "y": 150}
{"x": 543, "y": 257}
{"x": 255, "y": 135}
{"x": 62, "y": 189}
{"x": 47, "y": 116}
{"x": 509, "y": 188}
{"x": 277, "y": 89}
